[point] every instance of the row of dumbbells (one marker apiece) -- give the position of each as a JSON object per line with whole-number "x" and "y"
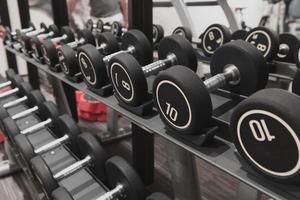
{"x": 49, "y": 145}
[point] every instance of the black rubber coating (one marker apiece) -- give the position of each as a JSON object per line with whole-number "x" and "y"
{"x": 24, "y": 147}
{"x": 295, "y": 84}
{"x": 16, "y": 80}
{"x": 68, "y": 60}
{"x": 291, "y": 42}
{"x": 24, "y": 89}
{"x": 183, "y": 31}
{"x": 65, "y": 30}
{"x": 50, "y": 53}
{"x": 53, "y": 28}
{"x": 239, "y": 34}
{"x": 10, "y": 128}
{"x": 87, "y": 35}
{"x": 158, "y": 33}
{"x": 116, "y": 28}
{"x": 9, "y": 73}
{"x": 119, "y": 171}
{"x": 110, "y": 40}
{"x": 35, "y": 98}
{"x": 48, "y": 110}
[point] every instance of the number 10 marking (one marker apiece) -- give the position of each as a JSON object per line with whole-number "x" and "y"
{"x": 171, "y": 112}
{"x": 263, "y": 131}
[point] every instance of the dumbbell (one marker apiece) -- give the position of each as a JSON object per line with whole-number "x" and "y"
{"x": 239, "y": 34}
{"x": 129, "y": 77}
{"x": 67, "y": 131}
{"x": 47, "y": 112}
{"x": 90, "y": 25}
{"x": 25, "y": 38}
{"x": 183, "y": 31}
{"x": 37, "y": 41}
{"x": 117, "y": 29}
{"x": 265, "y": 130}
{"x": 123, "y": 181}
{"x": 93, "y": 156}
{"x": 68, "y": 58}
{"x": 50, "y": 46}
{"x": 288, "y": 48}
{"x": 12, "y": 36}
{"x": 158, "y": 33}
{"x": 93, "y": 64}
{"x": 13, "y": 79}
{"x": 183, "y": 99}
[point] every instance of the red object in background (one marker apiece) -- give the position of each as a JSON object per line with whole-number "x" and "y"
{"x": 2, "y": 137}
{"x": 90, "y": 110}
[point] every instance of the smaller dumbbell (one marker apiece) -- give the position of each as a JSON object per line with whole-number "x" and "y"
{"x": 12, "y": 36}
{"x": 288, "y": 48}
{"x": 93, "y": 64}
{"x": 68, "y": 58}
{"x": 67, "y": 131}
{"x": 129, "y": 77}
{"x": 50, "y": 46}
{"x": 37, "y": 41}
{"x": 90, "y": 25}
{"x": 239, "y": 34}
{"x": 93, "y": 156}
{"x": 47, "y": 112}
{"x": 158, "y": 33}
{"x": 117, "y": 29}
{"x": 13, "y": 79}
{"x": 122, "y": 178}
{"x": 183, "y": 99}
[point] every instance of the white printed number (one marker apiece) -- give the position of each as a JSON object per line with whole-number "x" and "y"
{"x": 124, "y": 83}
{"x": 261, "y": 47}
{"x": 263, "y": 132}
{"x": 211, "y": 36}
{"x": 171, "y": 112}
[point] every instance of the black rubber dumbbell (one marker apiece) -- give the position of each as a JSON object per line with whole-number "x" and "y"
{"x": 90, "y": 25}
{"x": 50, "y": 46}
{"x": 128, "y": 77}
{"x": 12, "y": 36}
{"x": 47, "y": 112}
{"x": 92, "y": 154}
{"x": 158, "y": 34}
{"x": 183, "y": 99}
{"x": 67, "y": 131}
{"x": 25, "y": 38}
{"x": 123, "y": 181}
{"x": 117, "y": 29}
{"x": 93, "y": 64}
{"x": 13, "y": 80}
{"x": 37, "y": 41}
{"x": 107, "y": 44}
{"x": 239, "y": 34}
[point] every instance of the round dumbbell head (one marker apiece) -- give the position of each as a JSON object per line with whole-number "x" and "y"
{"x": 111, "y": 42}
{"x": 69, "y": 33}
{"x": 239, "y": 34}
{"x": 265, "y": 130}
{"x": 54, "y": 29}
{"x": 92, "y": 66}
{"x": 24, "y": 89}
{"x": 90, "y": 146}
{"x": 10, "y": 73}
{"x": 253, "y": 69}
{"x": 24, "y": 146}
{"x": 36, "y": 46}
{"x": 16, "y": 80}
{"x": 25, "y": 42}
{"x": 99, "y": 26}
{"x": 10, "y": 128}
{"x": 61, "y": 194}
{"x": 158, "y": 33}
{"x": 120, "y": 172}
{"x": 35, "y": 98}
{"x": 67, "y": 126}
{"x": 116, "y": 28}
{"x": 68, "y": 60}
{"x": 48, "y": 110}
{"x": 49, "y": 53}
{"x": 265, "y": 40}
{"x": 89, "y": 24}
{"x": 87, "y": 35}
{"x": 43, "y": 174}
{"x": 137, "y": 39}
{"x": 289, "y": 41}
{"x": 181, "y": 48}
{"x": 183, "y": 31}
{"x": 213, "y": 37}
{"x": 128, "y": 79}
{"x": 182, "y": 100}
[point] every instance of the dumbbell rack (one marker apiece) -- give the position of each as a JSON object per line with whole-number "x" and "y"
{"x": 222, "y": 155}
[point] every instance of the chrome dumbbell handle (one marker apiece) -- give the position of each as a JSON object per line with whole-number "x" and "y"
{"x": 9, "y": 92}
{"x": 51, "y": 145}
{"x": 15, "y": 102}
{"x": 283, "y": 50}
{"x": 57, "y": 39}
{"x": 35, "y": 32}
{"x": 6, "y": 84}
{"x": 129, "y": 50}
{"x": 116, "y": 193}
{"x": 25, "y": 113}
{"x": 159, "y": 65}
{"x": 36, "y": 127}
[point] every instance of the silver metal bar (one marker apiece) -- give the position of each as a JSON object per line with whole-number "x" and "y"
{"x": 116, "y": 193}
{"x": 51, "y": 145}
{"x": 3, "y": 85}
{"x": 25, "y": 113}
{"x": 9, "y": 92}
{"x": 72, "y": 168}
{"x": 36, "y": 127}
{"x": 15, "y": 102}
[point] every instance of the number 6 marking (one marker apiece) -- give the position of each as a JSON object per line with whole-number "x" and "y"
{"x": 263, "y": 131}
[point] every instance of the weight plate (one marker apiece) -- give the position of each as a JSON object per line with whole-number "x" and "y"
{"x": 89, "y": 145}
{"x": 116, "y": 29}
{"x": 69, "y": 33}
{"x": 118, "y": 172}
{"x": 239, "y": 35}
{"x": 24, "y": 147}
{"x": 214, "y": 36}
{"x": 252, "y": 66}
{"x": 10, "y": 73}
{"x": 92, "y": 66}
{"x": 110, "y": 41}
{"x": 25, "y": 42}
{"x": 128, "y": 79}
{"x": 138, "y": 40}
{"x": 35, "y": 98}
{"x": 289, "y": 42}
{"x": 183, "y": 31}
{"x": 265, "y": 40}
{"x": 48, "y": 110}
{"x": 49, "y": 53}
{"x": 43, "y": 174}
{"x": 158, "y": 33}
{"x": 265, "y": 130}
{"x": 61, "y": 194}
{"x": 182, "y": 100}
{"x": 24, "y": 89}
{"x": 68, "y": 60}
{"x": 10, "y": 128}
{"x": 54, "y": 29}
{"x": 89, "y": 24}
{"x": 87, "y": 35}
{"x": 296, "y": 84}
{"x": 181, "y": 48}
